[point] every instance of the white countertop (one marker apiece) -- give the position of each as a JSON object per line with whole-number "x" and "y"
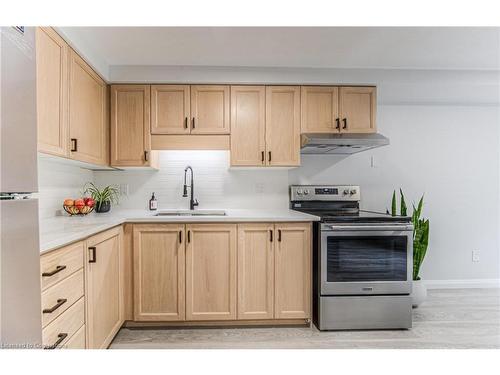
{"x": 63, "y": 230}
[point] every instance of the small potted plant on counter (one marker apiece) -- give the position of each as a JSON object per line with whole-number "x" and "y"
{"x": 103, "y": 198}
{"x": 420, "y": 244}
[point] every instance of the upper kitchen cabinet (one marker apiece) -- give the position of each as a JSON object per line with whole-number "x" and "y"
{"x": 170, "y": 109}
{"x": 319, "y": 109}
{"x": 283, "y": 126}
{"x": 52, "y": 86}
{"x": 358, "y": 109}
{"x": 210, "y": 109}
{"x": 130, "y": 127}
{"x": 248, "y": 125}
{"x": 88, "y": 120}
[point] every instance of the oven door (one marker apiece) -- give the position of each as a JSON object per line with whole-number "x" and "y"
{"x": 366, "y": 259}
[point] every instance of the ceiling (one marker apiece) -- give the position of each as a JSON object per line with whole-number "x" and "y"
{"x": 319, "y": 47}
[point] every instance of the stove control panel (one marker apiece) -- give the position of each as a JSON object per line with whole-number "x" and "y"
{"x": 324, "y": 193}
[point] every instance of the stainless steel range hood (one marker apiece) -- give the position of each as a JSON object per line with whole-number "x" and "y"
{"x": 318, "y": 143}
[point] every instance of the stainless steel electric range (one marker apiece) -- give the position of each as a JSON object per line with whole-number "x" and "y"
{"x": 362, "y": 260}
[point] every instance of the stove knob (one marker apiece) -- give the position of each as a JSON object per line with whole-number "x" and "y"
{"x": 346, "y": 192}
{"x": 299, "y": 191}
{"x": 352, "y": 192}
{"x": 306, "y": 192}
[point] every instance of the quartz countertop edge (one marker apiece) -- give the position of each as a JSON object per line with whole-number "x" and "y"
{"x": 60, "y": 231}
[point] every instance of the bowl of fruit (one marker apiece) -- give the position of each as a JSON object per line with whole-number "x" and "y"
{"x": 82, "y": 206}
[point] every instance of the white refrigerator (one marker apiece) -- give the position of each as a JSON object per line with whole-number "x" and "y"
{"x": 20, "y": 312}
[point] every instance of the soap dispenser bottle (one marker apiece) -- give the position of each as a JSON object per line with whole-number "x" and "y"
{"x": 153, "y": 203}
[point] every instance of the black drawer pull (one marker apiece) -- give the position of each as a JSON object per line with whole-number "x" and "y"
{"x": 186, "y": 123}
{"x": 337, "y": 120}
{"x": 52, "y": 273}
{"x": 180, "y": 236}
{"x": 193, "y": 123}
{"x": 92, "y": 259}
{"x": 262, "y": 157}
{"x": 269, "y": 159}
{"x": 59, "y": 303}
{"x": 279, "y": 235}
{"x": 189, "y": 236}
{"x": 345, "y": 124}
{"x": 271, "y": 235}
{"x": 74, "y": 145}
{"x": 145, "y": 156}
{"x": 60, "y": 339}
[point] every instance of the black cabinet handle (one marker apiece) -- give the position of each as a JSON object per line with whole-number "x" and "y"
{"x": 74, "y": 144}
{"x": 186, "y": 123}
{"x": 93, "y": 252}
{"x": 194, "y": 123}
{"x": 269, "y": 156}
{"x": 59, "y": 303}
{"x": 337, "y": 120}
{"x": 262, "y": 157}
{"x": 345, "y": 123}
{"x": 52, "y": 273}
{"x": 145, "y": 156}
{"x": 60, "y": 339}
{"x": 189, "y": 236}
{"x": 279, "y": 235}
{"x": 270, "y": 235}
{"x": 180, "y": 236}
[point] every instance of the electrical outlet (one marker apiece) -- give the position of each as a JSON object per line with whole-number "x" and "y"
{"x": 373, "y": 163}
{"x": 475, "y": 256}
{"x": 124, "y": 189}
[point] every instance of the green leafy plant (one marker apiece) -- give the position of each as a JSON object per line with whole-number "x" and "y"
{"x": 107, "y": 194}
{"x": 420, "y": 230}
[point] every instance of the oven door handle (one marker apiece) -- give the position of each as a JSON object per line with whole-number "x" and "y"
{"x": 352, "y": 228}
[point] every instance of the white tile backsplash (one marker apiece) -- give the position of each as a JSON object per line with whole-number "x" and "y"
{"x": 57, "y": 181}
{"x": 216, "y": 185}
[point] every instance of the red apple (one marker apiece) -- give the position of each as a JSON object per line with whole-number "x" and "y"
{"x": 79, "y": 203}
{"x": 89, "y": 202}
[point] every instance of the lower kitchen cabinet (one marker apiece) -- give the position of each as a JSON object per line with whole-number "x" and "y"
{"x": 104, "y": 294}
{"x": 211, "y": 272}
{"x": 159, "y": 265}
{"x": 255, "y": 271}
{"x": 292, "y": 297}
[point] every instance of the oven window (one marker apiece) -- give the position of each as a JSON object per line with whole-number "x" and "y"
{"x": 370, "y": 258}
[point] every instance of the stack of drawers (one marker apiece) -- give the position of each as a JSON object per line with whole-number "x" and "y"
{"x": 63, "y": 301}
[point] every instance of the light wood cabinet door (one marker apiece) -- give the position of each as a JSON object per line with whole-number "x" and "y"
{"x": 209, "y": 109}
{"x": 358, "y": 109}
{"x": 88, "y": 123}
{"x": 255, "y": 271}
{"x": 211, "y": 272}
{"x": 283, "y": 125}
{"x": 319, "y": 109}
{"x": 104, "y": 292}
{"x": 159, "y": 279}
{"x": 130, "y": 126}
{"x": 52, "y": 92}
{"x": 248, "y": 125}
{"x": 292, "y": 298}
{"x": 170, "y": 109}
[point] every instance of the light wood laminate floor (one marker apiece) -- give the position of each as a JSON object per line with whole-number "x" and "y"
{"x": 452, "y": 318}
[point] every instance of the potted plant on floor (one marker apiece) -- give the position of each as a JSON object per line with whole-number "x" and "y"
{"x": 103, "y": 198}
{"x": 420, "y": 243}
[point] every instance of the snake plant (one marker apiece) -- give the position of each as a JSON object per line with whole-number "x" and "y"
{"x": 420, "y": 230}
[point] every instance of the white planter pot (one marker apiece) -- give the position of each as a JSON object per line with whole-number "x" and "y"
{"x": 419, "y": 293}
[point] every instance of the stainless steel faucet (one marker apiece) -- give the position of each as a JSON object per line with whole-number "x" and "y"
{"x": 192, "y": 202}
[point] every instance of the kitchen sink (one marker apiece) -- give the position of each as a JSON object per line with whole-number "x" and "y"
{"x": 191, "y": 213}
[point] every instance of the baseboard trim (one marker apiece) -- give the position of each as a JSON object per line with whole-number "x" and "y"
{"x": 466, "y": 283}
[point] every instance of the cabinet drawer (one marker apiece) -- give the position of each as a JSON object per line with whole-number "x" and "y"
{"x": 77, "y": 341}
{"x": 61, "y": 296}
{"x": 57, "y": 265}
{"x": 65, "y": 326}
